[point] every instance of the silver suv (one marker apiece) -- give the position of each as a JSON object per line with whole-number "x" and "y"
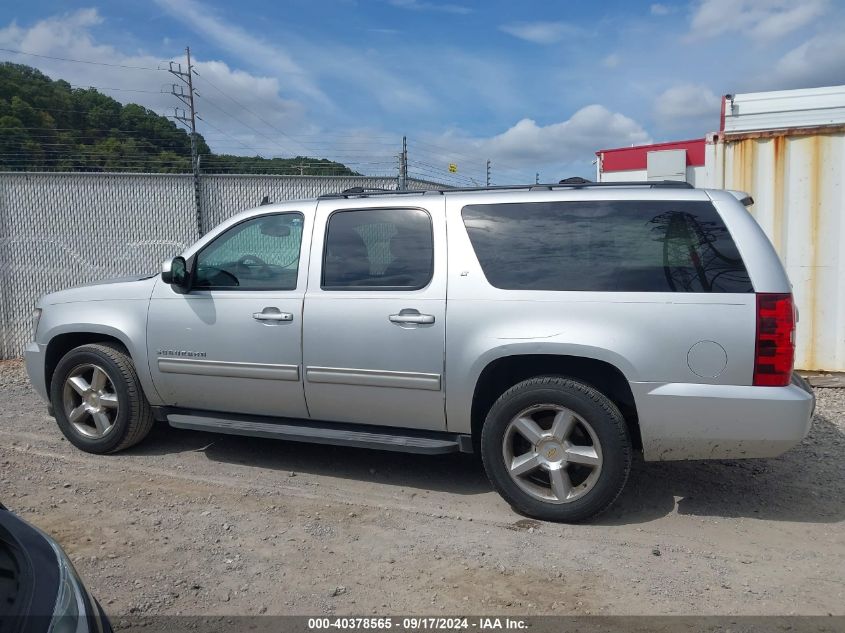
{"x": 555, "y": 329}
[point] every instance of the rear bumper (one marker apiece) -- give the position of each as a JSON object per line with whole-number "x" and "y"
{"x": 695, "y": 421}
{"x": 34, "y": 360}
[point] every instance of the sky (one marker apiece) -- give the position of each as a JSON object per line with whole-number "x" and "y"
{"x": 532, "y": 86}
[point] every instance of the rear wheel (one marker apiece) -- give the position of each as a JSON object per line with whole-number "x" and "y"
{"x": 98, "y": 401}
{"x": 556, "y": 449}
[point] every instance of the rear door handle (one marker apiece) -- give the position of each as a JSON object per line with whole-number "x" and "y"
{"x": 272, "y": 314}
{"x": 411, "y": 316}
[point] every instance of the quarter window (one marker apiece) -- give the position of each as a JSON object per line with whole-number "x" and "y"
{"x": 622, "y": 246}
{"x": 258, "y": 254}
{"x": 378, "y": 249}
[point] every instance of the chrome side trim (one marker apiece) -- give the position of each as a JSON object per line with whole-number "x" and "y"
{"x": 259, "y": 371}
{"x": 373, "y": 378}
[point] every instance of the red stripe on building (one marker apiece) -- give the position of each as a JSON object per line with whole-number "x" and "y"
{"x": 628, "y": 158}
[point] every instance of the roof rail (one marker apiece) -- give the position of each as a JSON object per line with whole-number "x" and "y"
{"x": 569, "y": 183}
{"x": 360, "y": 190}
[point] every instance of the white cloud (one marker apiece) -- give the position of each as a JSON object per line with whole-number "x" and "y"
{"x": 820, "y": 61}
{"x": 660, "y": 9}
{"x": 282, "y": 94}
{"x": 418, "y": 5}
{"x": 540, "y": 32}
{"x": 70, "y": 36}
{"x": 527, "y": 145}
{"x": 246, "y": 45}
{"x": 686, "y": 106}
{"x": 762, "y": 20}
{"x": 314, "y": 62}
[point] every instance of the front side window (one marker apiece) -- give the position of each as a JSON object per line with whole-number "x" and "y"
{"x": 612, "y": 245}
{"x": 259, "y": 254}
{"x": 378, "y": 249}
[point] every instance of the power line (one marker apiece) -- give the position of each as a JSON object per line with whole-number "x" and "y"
{"x": 187, "y": 78}
{"x": 50, "y": 110}
{"x": 446, "y": 178}
{"x": 436, "y": 179}
{"x": 73, "y": 129}
{"x": 438, "y": 160}
{"x": 225, "y": 134}
{"x": 446, "y": 173}
{"x": 86, "y": 141}
{"x": 79, "y": 61}
{"x": 232, "y": 116}
{"x": 448, "y": 151}
{"x": 153, "y": 92}
{"x": 352, "y": 147}
{"x": 263, "y": 135}
{"x": 296, "y": 139}
{"x": 225, "y": 94}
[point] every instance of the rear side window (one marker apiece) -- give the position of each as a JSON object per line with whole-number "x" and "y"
{"x": 620, "y": 246}
{"x": 378, "y": 249}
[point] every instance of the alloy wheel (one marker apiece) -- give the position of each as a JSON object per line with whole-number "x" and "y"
{"x": 552, "y": 453}
{"x": 90, "y": 401}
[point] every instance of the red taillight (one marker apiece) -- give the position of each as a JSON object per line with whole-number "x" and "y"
{"x": 775, "y": 349}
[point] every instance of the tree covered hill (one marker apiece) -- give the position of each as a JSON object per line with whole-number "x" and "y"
{"x": 47, "y": 125}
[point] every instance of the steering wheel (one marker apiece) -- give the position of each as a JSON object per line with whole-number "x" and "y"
{"x": 246, "y": 261}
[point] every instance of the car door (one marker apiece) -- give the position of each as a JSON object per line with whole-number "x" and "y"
{"x": 233, "y": 342}
{"x": 374, "y": 315}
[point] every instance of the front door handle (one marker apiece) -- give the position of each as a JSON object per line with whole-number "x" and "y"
{"x": 272, "y": 314}
{"x": 411, "y": 316}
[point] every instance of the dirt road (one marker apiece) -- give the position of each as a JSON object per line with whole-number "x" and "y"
{"x": 192, "y": 523}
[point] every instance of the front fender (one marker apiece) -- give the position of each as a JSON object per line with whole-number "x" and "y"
{"x": 124, "y": 320}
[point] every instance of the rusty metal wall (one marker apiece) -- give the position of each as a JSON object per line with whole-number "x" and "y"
{"x": 64, "y": 229}
{"x": 797, "y": 179}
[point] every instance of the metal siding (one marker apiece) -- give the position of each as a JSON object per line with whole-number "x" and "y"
{"x": 635, "y": 157}
{"x": 797, "y": 185}
{"x": 698, "y": 176}
{"x": 65, "y": 229}
{"x": 785, "y": 109}
{"x": 668, "y": 164}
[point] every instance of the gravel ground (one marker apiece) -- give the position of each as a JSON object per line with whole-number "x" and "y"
{"x": 201, "y": 524}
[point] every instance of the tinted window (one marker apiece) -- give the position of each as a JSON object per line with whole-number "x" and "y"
{"x": 378, "y": 248}
{"x": 259, "y": 254}
{"x": 629, "y": 246}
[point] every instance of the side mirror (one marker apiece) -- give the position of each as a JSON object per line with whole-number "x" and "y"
{"x": 175, "y": 272}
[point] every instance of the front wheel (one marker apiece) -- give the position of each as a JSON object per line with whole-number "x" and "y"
{"x": 98, "y": 401}
{"x": 556, "y": 449}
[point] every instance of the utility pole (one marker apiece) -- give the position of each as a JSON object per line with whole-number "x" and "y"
{"x": 488, "y": 173}
{"x": 402, "y": 183}
{"x": 189, "y": 120}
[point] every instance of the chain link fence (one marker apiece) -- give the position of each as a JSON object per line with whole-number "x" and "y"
{"x": 65, "y": 229}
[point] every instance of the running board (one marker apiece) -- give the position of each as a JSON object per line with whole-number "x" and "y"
{"x": 362, "y": 436}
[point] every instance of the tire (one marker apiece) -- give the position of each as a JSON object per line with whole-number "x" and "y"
{"x": 570, "y": 479}
{"x": 105, "y": 420}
